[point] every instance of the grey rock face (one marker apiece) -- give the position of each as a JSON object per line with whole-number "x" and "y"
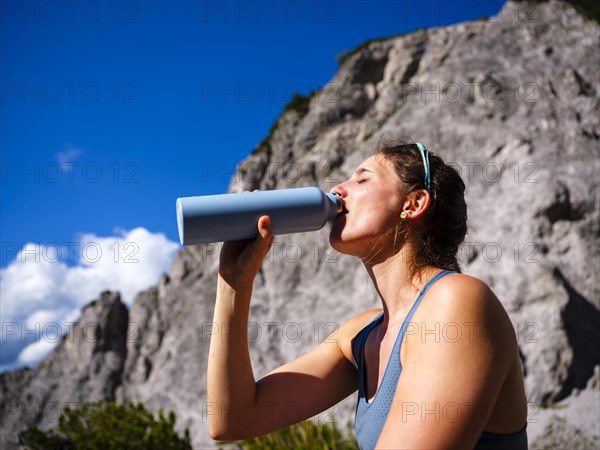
{"x": 85, "y": 366}
{"x": 513, "y": 103}
{"x": 570, "y": 423}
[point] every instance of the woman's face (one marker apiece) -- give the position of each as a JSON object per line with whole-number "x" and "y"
{"x": 373, "y": 204}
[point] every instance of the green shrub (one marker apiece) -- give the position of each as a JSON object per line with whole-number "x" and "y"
{"x": 100, "y": 426}
{"x": 589, "y": 9}
{"x": 299, "y": 103}
{"x": 342, "y": 57}
{"x": 305, "y": 435}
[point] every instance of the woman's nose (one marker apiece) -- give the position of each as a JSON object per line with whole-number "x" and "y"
{"x": 339, "y": 189}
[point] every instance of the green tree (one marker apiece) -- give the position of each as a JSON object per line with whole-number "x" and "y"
{"x": 100, "y": 426}
{"x": 305, "y": 435}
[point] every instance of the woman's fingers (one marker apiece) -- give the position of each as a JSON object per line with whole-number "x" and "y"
{"x": 264, "y": 227}
{"x": 241, "y": 260}
{"x": 262, "y": 244}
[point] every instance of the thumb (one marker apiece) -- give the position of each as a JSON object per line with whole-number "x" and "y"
{"x": 264, "y": 227}
{"x": 265, "y": 236}
{"x": 262, "y": 244}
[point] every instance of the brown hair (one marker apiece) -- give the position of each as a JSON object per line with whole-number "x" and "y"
{"x": 437, "y": 235}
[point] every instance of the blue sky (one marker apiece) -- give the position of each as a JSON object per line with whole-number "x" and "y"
{"x": 112, "y": 110}
{"x": 151, "y": 93}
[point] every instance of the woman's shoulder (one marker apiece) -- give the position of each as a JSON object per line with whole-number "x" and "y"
{"x": 459, "y": 280}
{"x": 464, "y": 312}
{"x": 465, "y": 300}
{"x": 461, "y": 290}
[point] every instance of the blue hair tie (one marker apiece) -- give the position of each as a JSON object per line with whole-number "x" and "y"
{"x": 425, "y": 155}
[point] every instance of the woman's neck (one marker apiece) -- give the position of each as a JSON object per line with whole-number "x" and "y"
{"x": 396, "y": 287}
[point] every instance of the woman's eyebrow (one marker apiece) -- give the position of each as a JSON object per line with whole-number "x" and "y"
{"x": 361, "y": 170}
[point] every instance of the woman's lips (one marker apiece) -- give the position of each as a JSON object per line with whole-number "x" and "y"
{"x": 344, "y": 209}
{"x": 342, "y": 216}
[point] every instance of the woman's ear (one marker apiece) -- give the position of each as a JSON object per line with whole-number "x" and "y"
{"x": 417, "y": 203}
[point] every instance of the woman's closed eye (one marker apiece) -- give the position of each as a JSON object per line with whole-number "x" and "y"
{"x": 362, "y": 180}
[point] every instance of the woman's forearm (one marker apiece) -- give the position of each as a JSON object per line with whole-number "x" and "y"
{"x": 231, "y": 383}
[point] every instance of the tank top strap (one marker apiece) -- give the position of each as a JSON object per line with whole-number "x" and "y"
{"x": 407, "y": 321}
{"x": 432, "y": 280}
{"x": 358, "y": 343}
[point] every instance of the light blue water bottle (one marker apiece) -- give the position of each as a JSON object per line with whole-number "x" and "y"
{"x": 228, "y": 217}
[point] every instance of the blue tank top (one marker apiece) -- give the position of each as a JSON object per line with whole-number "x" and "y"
{"x": 370, "y": 417}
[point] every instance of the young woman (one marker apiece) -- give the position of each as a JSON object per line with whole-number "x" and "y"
{"x": 437, "y": 367}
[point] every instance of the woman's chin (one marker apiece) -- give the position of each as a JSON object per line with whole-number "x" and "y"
{"x": 336, "y": 241}
{"x": 359, "y": 246}
{"x": 342, "y": 244}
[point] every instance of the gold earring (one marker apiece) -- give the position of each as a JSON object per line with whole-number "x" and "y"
{"x": 403, "y": 215}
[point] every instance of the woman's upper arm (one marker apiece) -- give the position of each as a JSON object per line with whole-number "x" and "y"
{"x": 309, "y": 384}
{"x": 452, "y": 372}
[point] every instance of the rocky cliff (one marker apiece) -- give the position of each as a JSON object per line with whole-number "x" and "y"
{"x": 87, "y": 365}
{"x": 513, "y": 102}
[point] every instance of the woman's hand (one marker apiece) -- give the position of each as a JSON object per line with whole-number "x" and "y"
{"x": 240, "y": 260}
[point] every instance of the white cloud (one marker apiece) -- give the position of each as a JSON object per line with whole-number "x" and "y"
{"x": 67, "y": 156}
{"x": 39, "y": 293}
{"x": 34, "y": 353}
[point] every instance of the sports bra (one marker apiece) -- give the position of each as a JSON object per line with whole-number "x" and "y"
{"x": 371, "y": 416}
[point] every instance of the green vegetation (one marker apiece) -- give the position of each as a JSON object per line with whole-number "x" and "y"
{"x": 299, "y": 104}
{"x": 552, "y": 405}
{"x": 342, "y": 57}
{"x": 107, "y": 426}
{"x": 587, "y": 8}
{"x": 305, "y": 435}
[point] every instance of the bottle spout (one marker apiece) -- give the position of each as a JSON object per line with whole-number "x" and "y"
{"x": 336, "y": 206}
